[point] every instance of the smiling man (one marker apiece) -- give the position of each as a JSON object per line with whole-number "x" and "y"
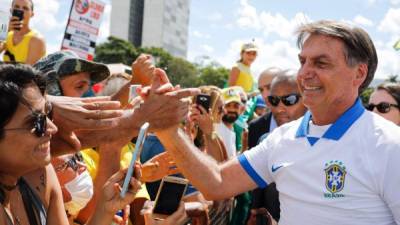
{"x": 338, "y": 163}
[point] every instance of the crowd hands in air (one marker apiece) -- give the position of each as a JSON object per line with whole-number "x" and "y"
{"x": 63, "y": 157}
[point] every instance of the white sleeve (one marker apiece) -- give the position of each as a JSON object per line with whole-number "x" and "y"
{"x": 255, "y": 163}
{"x": 391, "y": 181}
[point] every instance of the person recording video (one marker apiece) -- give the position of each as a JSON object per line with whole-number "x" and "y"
{"x": 23, "y": 44}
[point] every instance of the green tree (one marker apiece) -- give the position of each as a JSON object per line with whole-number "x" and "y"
{"x": 213, "y": 75}
{"x": 393, "y": 78}
{"x": 182, "y": 72}
{"x": 115, "y": 50}
{"x": 366, "y": 94}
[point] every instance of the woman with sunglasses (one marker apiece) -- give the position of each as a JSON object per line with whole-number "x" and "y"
{"x": 29, "y": 190}
{"x": 385, "y": 101}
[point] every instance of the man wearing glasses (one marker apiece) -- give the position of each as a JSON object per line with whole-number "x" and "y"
{"x": 286, "y": 105}
{"x": 338, "y": 164}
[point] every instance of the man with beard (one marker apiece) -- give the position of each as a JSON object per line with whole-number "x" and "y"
{"x": 232, "y": 110}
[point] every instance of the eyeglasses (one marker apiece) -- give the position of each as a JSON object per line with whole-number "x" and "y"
{"x": 287, "y": 100}
{"x": 383, "y": 107}
{"x": 39, "y": 121}
{"x": 72, "y": 163}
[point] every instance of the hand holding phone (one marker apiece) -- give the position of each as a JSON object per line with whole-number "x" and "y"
{"x": 17, "y": 24}
{"x": 138, "y": 148}
{"x": 204, "y": 100}
{"x": 169, "y": 195}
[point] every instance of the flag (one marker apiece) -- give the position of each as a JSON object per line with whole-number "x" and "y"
{"x": 396, "y": 46}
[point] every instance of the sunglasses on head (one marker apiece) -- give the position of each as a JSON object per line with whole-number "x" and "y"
{"x": 383, "y": 107}
{"x": 287, "y": 100}
{"x": 39, "y": 121}
{"x": 72, "y": 163}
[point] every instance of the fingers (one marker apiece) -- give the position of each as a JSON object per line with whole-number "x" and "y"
{"x": 184, "y": 93}
{"x": 180, "y": 216}
{"x": 95, "y": 99}
{"x": 102, "y": 105}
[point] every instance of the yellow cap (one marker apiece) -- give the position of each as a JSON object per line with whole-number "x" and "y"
{"x": 231, "y": 94}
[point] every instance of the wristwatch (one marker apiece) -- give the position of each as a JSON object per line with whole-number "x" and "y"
{"x": 213, "y": 135}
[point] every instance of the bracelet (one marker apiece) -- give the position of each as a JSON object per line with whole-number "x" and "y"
{"x": 213, "y": 135}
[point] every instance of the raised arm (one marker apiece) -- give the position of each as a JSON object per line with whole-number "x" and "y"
{"x": 215, "y": 181}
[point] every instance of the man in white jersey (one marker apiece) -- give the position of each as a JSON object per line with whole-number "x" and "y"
{"x": 339, "y": 164}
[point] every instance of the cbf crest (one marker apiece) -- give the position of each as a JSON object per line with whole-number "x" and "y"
{"x": 335, "y": 173}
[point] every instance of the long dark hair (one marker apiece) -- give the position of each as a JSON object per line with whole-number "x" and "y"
{"x": 13, "y": 80}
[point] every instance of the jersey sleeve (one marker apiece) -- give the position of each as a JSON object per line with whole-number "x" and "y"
{"x": 255, "y": 162}
{"x": 390, "y": 183}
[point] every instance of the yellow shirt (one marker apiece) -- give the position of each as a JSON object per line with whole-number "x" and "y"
{"x": 91, "y": 158}
{"x": 245, "y": 79}
{"x": 19, "y": 52}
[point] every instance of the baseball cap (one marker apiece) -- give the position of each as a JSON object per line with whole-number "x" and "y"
{"x": 248, "y": 47}
{"x": 64, "y": 63}
{"x": 260, "y": 102}
{"x": 231, "y": 94}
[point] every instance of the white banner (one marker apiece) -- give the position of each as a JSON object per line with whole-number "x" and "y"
{"x": 4, "y": 18}
{"x": 83, "y": 27}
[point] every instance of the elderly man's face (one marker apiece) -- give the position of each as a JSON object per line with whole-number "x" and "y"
{"x": 285, "y": 113}
{"x": 264, "y": 85}
{"x": 325, "y": 80}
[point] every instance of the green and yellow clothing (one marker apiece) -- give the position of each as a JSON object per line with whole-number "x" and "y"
{"x": 245, "y": 78}
{"x": 92, "y": 158}
{"x": 19, "y": 52}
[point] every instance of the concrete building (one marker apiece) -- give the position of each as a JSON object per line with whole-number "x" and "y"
{"x": 152, "y": 23}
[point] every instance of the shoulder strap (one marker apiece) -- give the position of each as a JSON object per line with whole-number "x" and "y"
{"x": 33, "y": 205}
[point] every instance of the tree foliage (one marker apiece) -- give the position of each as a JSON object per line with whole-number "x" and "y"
{"x": 179, "y": 70}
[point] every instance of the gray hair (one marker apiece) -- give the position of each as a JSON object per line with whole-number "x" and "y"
{"x": 358, "y": 46}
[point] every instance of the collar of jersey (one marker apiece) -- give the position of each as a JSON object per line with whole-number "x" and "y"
{"x": 339, "y": 127}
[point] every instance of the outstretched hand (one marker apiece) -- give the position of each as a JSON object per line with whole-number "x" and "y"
{"x": 72, "y": 114}
{"x": 157, "y": 167}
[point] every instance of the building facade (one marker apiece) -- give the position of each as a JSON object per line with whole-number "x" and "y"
{"x": 152, "y": 23}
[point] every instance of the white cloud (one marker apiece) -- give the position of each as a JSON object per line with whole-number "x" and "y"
{"x": 199, "y": 34}
{"x": 207, "y": 48}
{"x": 268, "y": 23}
{"x": 388, "y": 58}
{"x": 104, "y": 31}
{"x": 215, "y": 17}
{"x": 395, "y": 2}
{"x": 45, "y": 15}
{"x": 391, "y": 22}
{"x": 361, "y": 20}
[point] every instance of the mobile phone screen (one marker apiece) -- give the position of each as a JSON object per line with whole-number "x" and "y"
{"x": 169, "y": 198}
{"x": 138, "y": 149}
{"x": 18, "y": 13}
{"x": 203, "y": 100}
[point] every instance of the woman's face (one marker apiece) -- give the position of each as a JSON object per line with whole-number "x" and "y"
{"x": 379, "y": 96}
{"x": 75, "y": 85}
{"x": 248, "y": 57}
{"x": 21, "y": 150}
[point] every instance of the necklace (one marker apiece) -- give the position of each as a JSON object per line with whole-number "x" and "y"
{"x": 9, "y": 217}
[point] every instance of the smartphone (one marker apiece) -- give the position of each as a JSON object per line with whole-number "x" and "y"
{"x": 169, "y": 195}
{"x": 132, "y": 92}
{"x": 18, "y": 13}
{"x": 138, "y": 148}
{"x": 203, "y": 100}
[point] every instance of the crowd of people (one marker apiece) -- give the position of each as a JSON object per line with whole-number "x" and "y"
{"x": 295, "y": 147}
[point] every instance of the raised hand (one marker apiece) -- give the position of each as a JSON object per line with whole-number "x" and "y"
{"x": 157, "y": 167}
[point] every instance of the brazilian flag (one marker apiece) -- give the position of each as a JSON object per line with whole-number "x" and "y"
{"x": 396, "y": 46}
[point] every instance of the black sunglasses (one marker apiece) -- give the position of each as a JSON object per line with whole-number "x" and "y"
{"x": 383, "y": 107}
{"x": 287, "y": 100}
{"x": 72, "y": 163}
{"x": 39, "y": 121}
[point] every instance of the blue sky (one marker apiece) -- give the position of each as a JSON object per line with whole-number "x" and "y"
{"x": 217, "y": 28}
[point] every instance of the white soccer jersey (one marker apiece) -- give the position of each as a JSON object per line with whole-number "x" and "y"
{"x": 349, "y": 176}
